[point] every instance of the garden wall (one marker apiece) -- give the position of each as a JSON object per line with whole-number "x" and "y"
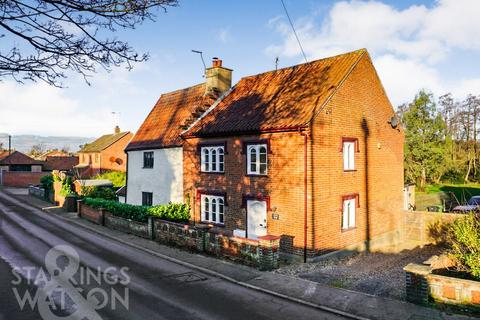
{"x": 422, "y": 285}
{"x": 21, "y": 179}
{"x": 262, "y": 253}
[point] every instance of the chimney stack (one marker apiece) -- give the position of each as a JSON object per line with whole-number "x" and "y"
{"x": 117, "y": 130}
{"x": 218, "y": 78}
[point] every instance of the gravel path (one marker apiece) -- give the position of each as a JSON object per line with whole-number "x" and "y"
{"x": 374, "y": 273}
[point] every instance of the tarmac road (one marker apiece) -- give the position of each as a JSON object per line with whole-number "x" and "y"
{"x": 112, "y": 280}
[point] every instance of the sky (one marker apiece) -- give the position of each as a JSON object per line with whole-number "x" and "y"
{"x": 432, "y": 45}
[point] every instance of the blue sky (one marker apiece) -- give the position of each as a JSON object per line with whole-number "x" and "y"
{"x": 414, "y": 44}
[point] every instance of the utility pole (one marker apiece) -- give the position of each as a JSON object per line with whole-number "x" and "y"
{"x": 9, "y": 144}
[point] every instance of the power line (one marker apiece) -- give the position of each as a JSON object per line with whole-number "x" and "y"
{"x": 294, "y": 32}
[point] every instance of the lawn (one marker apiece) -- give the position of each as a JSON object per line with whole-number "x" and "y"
{"x": 445, "y": 194}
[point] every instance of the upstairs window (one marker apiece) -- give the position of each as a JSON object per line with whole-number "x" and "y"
{"x": 213, "y": 208}
{"x": 148, "y": 159}
{"x": 212, "y": 159}
{"x": 349, "y": 147}
{"x": 147, "y": 199}
{"x": 257, "y": 159}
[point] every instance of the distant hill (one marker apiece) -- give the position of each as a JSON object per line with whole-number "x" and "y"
{"x": 24, "y": 143}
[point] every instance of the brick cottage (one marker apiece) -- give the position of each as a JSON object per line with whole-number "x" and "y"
{"x": 310, "y": 153}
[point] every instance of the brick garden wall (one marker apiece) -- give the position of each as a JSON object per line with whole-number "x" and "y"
{"x": 21, "y": 179}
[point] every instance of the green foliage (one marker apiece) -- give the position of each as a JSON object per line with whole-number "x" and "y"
{"x": 105, "y": 193}
{"x": 176, "y": 212}
{"x": 464, "y": 239}
{"x": 119, "y": 179}
{"x": 66, "y": 187}
{"x": 425, "y": 144}
{"x": 47, "y": 182}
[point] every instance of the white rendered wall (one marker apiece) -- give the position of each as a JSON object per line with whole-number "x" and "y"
{"x": 164, "y": 180}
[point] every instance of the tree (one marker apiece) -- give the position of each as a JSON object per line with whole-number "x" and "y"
{"x": 50, "y": 37}
{"x": 424, "y": 141}
{"x": 37, "y": 150}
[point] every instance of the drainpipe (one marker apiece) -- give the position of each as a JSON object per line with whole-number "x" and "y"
{"x": 305, "y": 195}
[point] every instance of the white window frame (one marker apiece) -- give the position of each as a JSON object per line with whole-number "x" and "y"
{"x": 257, "y": 163}
{"x": 213, "y": 209}
{"x": 349, "y": 213}
{"x": 212, "y": 159}
{"x": 348, "y": 155}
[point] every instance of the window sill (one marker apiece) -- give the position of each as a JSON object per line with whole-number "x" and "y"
{"x": 147, "y": 167}
{"x": 256, "y": 175}
{"x": 213, "y": 172}
{"x": 350, "y": 170}
{"x": 215, "y": 224}
{"x": 348, "y": 229}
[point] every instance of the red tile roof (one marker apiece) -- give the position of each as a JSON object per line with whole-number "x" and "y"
{"x": 103, "y": 142}
{"x": 168, "y": 118}
{"x": 17, "y": 158}
{"x": 60, "y": 162}
{"x": 284, "y": 99}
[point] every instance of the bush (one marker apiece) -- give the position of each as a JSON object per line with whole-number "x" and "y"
{"x": 173, "y": 211}
{"x": 47, "y": 184}
{"x": 99, "y": 192}
{"x": 464, "y": 238}
{"x": 66, "y": 187}
{"x": 119, "y": 179}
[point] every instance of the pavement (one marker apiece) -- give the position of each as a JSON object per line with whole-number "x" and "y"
{"x": 339, "y": 302}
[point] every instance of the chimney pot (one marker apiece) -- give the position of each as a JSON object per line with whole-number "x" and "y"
{"x": 117, "y": 129}
{"x": 216, "y": 62}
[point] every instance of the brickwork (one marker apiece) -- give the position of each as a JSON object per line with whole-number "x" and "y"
{"x": 114, "y": 158}
{"x": 133, "y": 227}
{"x": 360, "y": 110}
{"x": 21, "y": 179}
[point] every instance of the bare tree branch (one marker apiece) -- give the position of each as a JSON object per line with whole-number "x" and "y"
{"x": 54, "y": 36}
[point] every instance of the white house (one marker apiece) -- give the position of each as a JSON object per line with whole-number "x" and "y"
{"x": 155, "y": 155}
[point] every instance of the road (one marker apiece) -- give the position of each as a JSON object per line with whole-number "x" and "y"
{"x": 151, "y": 287}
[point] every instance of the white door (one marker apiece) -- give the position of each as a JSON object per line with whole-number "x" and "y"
{"x": 257, "y": 218}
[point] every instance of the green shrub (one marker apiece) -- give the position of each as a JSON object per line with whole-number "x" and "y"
{"x": 47, "y": 184}
{"x": 464, "y": 239}
{"x": 66, "y": 187}
{"x": 99, "y": 192}
{"x": 119, "y": 179}
{"x": 173, "y": 211}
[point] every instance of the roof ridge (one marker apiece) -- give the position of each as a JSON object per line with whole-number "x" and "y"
{"x": 182, "y": 89}
{"x": 362, "y": 50}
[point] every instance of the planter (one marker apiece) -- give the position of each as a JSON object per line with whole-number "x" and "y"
{"x": 128, "y": 226}
{"x": 89, "y": 213}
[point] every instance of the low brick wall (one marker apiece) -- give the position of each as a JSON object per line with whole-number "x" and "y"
{"x": 128, "y": 226}
{"x": 36, "y": 192}
{"x": 422, "y": 286}
{"x": 89, "y": 213}
{"x": 21, "y": 179}
{"x": 262, "y": 253}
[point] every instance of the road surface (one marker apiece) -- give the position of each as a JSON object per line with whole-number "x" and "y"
{"x": 112, "y": 280}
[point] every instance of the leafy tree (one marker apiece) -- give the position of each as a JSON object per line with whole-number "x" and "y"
{"x": 49, "y": 37}
{"x": 425, "y": 146}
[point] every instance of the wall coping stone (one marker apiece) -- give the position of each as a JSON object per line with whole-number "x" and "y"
{"x": 418, "y": 269}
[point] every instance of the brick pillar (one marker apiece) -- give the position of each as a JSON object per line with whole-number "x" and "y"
{"x": 79, "y": 207}
{"x": 417, "y": 289}
{"x": 268, "y": 252}
{"x": 102, "y": 216}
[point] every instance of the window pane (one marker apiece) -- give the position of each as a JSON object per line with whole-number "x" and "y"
{"x": 253, "y": 160}
{"x": 206, "y": 209}
{"x": 351, "y": 215}
{"x": 220, "y": 159}
{"x": 220, "y": 210}
{"x": 206, "y": 160}
{"x": 351, "y": 156}
{"x": 214, "y": 210}
{"x": 214, "y": 160}
{"x": 345, "y": 214}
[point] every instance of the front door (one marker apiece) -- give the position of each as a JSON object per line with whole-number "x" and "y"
{"x": 257, "y": 218}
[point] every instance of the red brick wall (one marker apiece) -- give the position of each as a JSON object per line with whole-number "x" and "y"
{"x": 115, "y": 151}
{"x": 358, "y": 105}
{"x": 359, "y": 109}
{"x": 22, "y": 179}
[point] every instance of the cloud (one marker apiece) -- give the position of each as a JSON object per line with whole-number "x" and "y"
{"x": 407, "y": 45}
{"x": 38, "y": 108}
{"x": 224, "y": 35}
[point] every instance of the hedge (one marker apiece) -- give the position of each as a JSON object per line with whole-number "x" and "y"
{"x": 176, "y": 212}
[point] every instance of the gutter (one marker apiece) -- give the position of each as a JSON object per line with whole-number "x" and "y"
{"x": 305, "y": 194}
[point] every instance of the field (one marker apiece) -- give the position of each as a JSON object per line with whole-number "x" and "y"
{"x": 445, "y": 195}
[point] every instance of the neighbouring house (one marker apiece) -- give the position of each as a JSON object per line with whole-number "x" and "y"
{"x": 61, "y": 163}
{"x": 53, "y": 153}
{"x": 155, "y": 156}
{"x": 104, "y": 154}
{"x": 310, "y": 153}
{"x": 19, "y": 170}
